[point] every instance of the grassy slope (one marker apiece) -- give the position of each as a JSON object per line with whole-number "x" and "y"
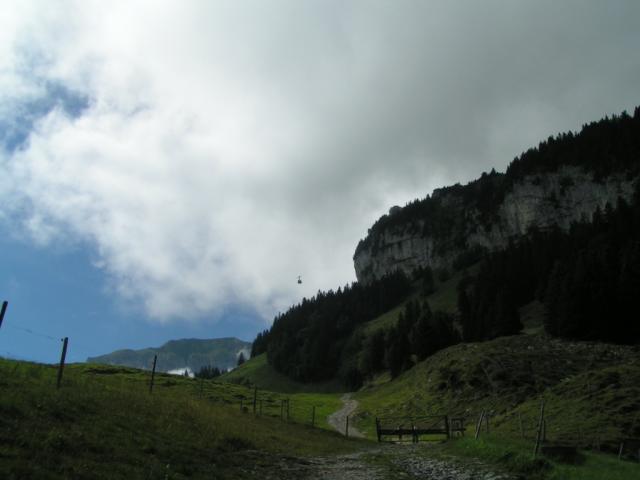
{"x": 515, "y": 456}
{"x": 587, "y": 385}
{"x": 104, "y": 424}
{"x": 509, "y": 375}
{"x": 257, "y": 372}
{"x": 591, "y": 393}
{"x": 444, "y": 298}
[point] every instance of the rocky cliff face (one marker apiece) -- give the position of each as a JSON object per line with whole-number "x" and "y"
{"x": 536, "y": 201}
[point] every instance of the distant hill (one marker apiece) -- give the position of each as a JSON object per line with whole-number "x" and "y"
{"x": 189, "y": 353}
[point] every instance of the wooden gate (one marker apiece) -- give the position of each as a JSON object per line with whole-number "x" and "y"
{"x": 412, "y": 428}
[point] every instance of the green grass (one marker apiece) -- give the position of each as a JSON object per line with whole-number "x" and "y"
{"x": 591, "y": 390}
{"x": 104, "y": 424}
{"x": 444, "y": 298}
{"x": 591, "y": 393}
{"x": 597, "y": 466}
{"x": 257, "y": 372}
{"x": 325, "y": 405}
{"x": 604, "y": 406}
{"x": 386, "y": 320}
{"x": 516, "y": 457}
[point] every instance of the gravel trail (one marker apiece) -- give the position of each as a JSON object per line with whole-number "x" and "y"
{"x": 338, "y": 419}
{"x": 395, "y": 462}
{"x": 387, "y": 461}
{"x": 378, "y": 462}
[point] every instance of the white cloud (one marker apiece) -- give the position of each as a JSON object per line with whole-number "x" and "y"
{"x": 229, "y": 147}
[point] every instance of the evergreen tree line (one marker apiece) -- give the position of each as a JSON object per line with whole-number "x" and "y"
{"x": 603, "y": 147}
{"x": 588, "y": 280}
{"x": 208, "y": 372}
{"x": 418, "y": 334}
{"x": 313, "y": 341}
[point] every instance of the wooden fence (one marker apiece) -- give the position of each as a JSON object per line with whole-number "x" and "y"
{"x": 413, "y": 428}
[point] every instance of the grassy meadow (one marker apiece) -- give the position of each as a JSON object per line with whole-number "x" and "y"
{"x": 257, "y": 372}
{"x": 104, "y": 423}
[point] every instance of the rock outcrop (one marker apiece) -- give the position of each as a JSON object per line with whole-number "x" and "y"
{"x": 457, "y": 222}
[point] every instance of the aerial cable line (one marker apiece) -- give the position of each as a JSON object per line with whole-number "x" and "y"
{"x": 33, "y": 332}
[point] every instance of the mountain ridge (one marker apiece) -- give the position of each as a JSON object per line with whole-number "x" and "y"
{"x": 191, "y": 353}
{"x": 562, "y": 181}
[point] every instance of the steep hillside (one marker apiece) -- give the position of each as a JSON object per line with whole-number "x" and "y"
{"x": 256, "y": 372}
{"x": 181, "y": 354}
{"x": 564, "y": 180}
{"x": 591, "y": 389}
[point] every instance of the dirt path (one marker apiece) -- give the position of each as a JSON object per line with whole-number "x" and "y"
{"x": 390, "y": 462}
{"x": 373, "y": 462}
{"x": 344, "y": 467}
{"x": 338, "y": 420}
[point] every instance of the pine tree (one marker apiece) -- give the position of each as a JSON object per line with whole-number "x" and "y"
{"x": 241, "y": 359}
{"x": 396, "y": 352}
{"x": 372, "y": 356}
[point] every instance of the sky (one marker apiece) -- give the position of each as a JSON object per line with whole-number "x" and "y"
{"x": 169, "y": 168}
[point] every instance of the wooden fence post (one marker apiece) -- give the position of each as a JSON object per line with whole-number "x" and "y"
{"x": 346, "y": 427}
{"x": 3, "y": 311}
{"x": 581, "y": 435}
{"x": 313, "y": 416}
{"x": 620, "y": 450}
{"x": 153, "y": 373}
{"x": 479, "y": 424}
{"x": 446, "y": 426}
{"x": 255, "y": 398}
{"x": 540, "y": 427}
{"x": 65, "y": 342}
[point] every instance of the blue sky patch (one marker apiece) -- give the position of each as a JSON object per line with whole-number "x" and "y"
{"x": 19, "y": 121}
